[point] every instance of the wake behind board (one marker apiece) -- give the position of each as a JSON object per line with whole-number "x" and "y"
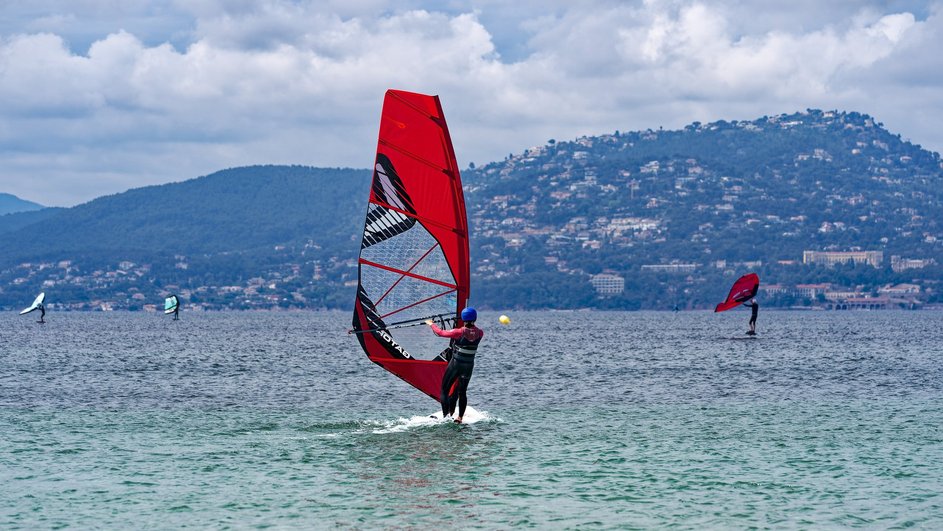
{"x": 424, "y": 421}
{"x": 472, "y": 416}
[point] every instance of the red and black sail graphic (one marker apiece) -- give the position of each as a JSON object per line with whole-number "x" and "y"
{"x": 743, "y": 289}
{"x": 413, "y": 261}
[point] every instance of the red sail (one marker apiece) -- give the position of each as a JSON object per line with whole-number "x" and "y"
{"x": 743, "y": 289}
{"x": 413, "y": 261}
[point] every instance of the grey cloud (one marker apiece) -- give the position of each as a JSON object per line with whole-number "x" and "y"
{"x": 214, "y": 84}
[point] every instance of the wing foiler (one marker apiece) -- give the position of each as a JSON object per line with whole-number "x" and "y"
{"x": 743, "y": 289}
{"x": 170, "y": 304}
{"x": 413, "y": 261}
{"x": 36, "y": 303}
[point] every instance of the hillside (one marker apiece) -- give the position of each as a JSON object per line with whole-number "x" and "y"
{"x": 18, "y": 220}
{"x": 222, "y": 229}
{"x": 719, "y": 199}
{"x": 676, "y": 215}
{"x": 232, "y": 210}
{"x": 10, "y": 203}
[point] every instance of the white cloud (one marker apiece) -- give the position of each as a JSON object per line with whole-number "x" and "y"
{"x": 230, "y": 83}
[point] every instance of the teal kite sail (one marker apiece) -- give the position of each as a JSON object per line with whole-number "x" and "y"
{"x": 172, "y": 306}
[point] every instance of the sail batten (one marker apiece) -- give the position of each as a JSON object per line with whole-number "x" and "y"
{"x": 413, "y": 216}
{"x": 405, "y": 274}
{"x": 417, "y": 303}
{"x": 429, "y": 163}
{"x": 413, "y": 262}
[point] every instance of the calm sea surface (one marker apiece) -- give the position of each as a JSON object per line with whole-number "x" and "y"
{"x": 586, "y": 419}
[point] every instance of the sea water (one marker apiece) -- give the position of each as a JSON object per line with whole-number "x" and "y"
{"x": 582, "y": 419}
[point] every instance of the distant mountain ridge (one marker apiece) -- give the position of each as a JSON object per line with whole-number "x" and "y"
{"x": 221, "y": 229}
{"x": 228, "y": 211}
{"x": 10, "y": 204}
{"x": 674, "y": 213}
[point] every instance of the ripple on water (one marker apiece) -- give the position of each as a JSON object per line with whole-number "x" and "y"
{"x": 594, "y": 419}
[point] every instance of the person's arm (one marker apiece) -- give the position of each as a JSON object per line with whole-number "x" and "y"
{"x": 455, "y": 333}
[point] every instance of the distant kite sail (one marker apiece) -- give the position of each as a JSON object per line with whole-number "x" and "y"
{"x": 36, "y": 304}
{"x": 171, "y": 304}
{"x": 413, "y": 261}
{"x": 743, "y": 289}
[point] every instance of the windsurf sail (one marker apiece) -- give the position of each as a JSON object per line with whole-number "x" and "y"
{"x": 36, "y": 303}
{"x": 170, "y": 304}
{"x": 413, "y": 261}
{"x": 743, "y": 289}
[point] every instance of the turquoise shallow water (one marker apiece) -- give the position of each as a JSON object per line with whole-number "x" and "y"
{"x": 629, "y": 420}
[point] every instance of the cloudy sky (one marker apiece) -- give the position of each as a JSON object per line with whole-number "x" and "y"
{"x": 98, "y": 96}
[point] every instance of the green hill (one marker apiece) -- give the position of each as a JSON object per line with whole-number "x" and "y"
{"x": 723, "y": 198}
{"x": 229, "y": 211}
{"x": 220, "y": 229}
{"x": 18, "y": 220}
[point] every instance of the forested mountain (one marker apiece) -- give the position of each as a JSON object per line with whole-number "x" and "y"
{"x": 10, "y": 203}
{"x": 676, "y": 214}
{"x": 713, "y": 199}
{"x": 18, "y": 220}
{"x": 218, "y": 230}
{"x": 233, "y": 210}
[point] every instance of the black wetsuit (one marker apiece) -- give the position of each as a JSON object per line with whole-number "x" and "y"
{"x": 42, "y": 314}
{"x": 459, "y": 373}
{"x": 754, "y": 310}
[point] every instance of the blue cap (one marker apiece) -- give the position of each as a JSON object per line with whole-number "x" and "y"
{"x": 469, "y": 315}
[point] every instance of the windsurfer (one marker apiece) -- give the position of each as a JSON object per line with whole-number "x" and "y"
{"x": 754, "y": 310}
{"x": 459, "y": 370}
{"x": 42, "y": 313}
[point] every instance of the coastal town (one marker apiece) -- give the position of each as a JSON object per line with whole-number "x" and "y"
{"x": 830, "y": 210}
{"x": 128, "y": 285}
{"x": 823, "y": 295}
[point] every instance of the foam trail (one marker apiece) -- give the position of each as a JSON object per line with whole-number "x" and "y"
{"x": 472, "y": 416}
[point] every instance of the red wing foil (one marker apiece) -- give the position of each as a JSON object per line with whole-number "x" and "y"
{"x": 413, "y": 261}
{"x": 743, "y": 289}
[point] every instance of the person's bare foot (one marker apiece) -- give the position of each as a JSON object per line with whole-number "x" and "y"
{"x": 458, "y": 420}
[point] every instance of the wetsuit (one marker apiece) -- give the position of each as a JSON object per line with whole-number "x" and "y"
{"x": 754, "y": 310}
{"x": 460, "y": 367}
{"x": 42, "y": 314}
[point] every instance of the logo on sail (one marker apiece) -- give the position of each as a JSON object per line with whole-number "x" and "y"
{"x": 383, "y": 223}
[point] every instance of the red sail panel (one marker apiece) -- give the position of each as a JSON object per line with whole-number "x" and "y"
{"x": 414, "y": 253}
{"x": 415, "y": 137}
{"x": 743, "y": 289}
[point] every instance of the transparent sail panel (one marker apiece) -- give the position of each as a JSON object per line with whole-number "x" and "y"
{"x": 420, "y": 342}
{"x": 414, "y": 250}
{"x": 409, "y": 299}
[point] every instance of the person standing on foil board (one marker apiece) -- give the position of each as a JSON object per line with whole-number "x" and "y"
{"x": 754, "y": 310}
{"x": 458, "y": 373}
